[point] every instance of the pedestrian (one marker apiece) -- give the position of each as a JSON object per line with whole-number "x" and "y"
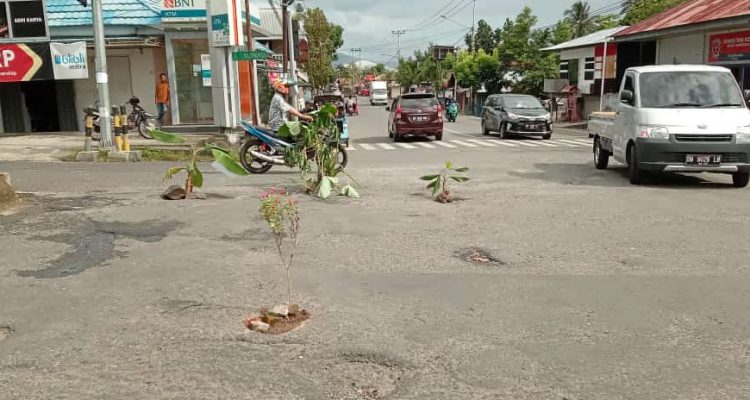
{"x": 279, "y": 109}
{"x": 162, "y": 98}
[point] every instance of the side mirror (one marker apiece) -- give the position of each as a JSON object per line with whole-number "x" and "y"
{"x": 747, "y": 95}
{"x": 627, "y": 97}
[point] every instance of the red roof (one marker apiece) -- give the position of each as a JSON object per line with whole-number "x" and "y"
{"x": 691, "y": 12}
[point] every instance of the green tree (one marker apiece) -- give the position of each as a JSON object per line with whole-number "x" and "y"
{"x": 579, "y": 17}
{"x": 639, "y": 10}
{"x": 324, "y": 39}
{"x": 607, "y": 21}
{"x": 484, "y": 37}
{"x": 562, "y": 32}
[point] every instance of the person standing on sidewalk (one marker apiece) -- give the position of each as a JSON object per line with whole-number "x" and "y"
{"x": 162, "y": 98}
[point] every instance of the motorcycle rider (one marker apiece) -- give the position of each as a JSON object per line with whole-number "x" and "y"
{"x": 279, "y": 109}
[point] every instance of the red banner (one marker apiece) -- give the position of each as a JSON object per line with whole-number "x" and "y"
{"x": 24, "y": 62}
{"x": 733, "y": 46}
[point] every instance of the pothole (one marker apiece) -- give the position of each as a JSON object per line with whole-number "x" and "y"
{"x": 364, "y": 375}
{"x": 5, "y": 332}
{"x": 480, "y": 256}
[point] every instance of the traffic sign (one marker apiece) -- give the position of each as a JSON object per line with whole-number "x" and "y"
{"x": 246, "y": 55}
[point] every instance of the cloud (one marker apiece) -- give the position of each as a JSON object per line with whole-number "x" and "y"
{"x": 368, "y": 23}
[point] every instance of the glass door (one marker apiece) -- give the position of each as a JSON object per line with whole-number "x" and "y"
{"x": 194, "y": 99}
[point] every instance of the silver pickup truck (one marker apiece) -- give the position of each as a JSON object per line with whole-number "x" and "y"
{"x": 676, "y": 118}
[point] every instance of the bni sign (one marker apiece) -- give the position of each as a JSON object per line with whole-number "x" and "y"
{"x": 183, "y": 10}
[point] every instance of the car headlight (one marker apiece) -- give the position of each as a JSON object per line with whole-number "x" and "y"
{"x": 743, "y": 135}
{"x": 654, "y": 132}
{"x": 513, "y": 116}
{"x": 547, "y": 117}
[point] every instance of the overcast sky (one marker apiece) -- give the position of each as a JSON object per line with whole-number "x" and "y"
{"x": 368, "y": 23}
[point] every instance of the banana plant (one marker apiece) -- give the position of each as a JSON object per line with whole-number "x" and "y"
{"x": 223, "y": 161}
{"x": 438, "y": 183}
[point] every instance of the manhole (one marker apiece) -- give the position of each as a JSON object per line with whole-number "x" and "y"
{"x": 5, "y": 332}
{"x": 477, "y": 255}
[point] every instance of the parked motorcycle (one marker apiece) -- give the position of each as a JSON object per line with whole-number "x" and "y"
{"x": 452, "y": 112}
{"x": 263, "y": 149}
{"x": 142, "y": 120}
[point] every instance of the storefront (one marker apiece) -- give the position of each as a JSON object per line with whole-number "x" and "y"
{"x": 732, "y": 50}
{"x": 189, "y": 61}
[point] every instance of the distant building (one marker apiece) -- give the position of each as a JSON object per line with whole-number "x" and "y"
{"x": 441, "y": 52}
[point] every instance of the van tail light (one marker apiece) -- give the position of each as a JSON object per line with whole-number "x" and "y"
{"x": 398, "y": 113}
{"x": 440, "y": 113}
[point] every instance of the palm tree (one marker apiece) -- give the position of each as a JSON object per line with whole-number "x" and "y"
{"x": 579, "y": 17}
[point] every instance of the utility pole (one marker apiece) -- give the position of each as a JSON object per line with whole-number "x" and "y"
{"x": 473, "y": 18}
{"x": 102, "y": 79}
{"x": 251, "y": 47}
{"x": 357, "y": 63}
{"x": 398, "y": 34}
{"x": 294, "y": 92}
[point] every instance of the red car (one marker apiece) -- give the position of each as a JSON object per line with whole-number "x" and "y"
{"x": 364, "y": 92}
{"x": 417, "y": 114}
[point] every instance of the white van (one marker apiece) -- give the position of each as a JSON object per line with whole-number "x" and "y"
{"x": 676, "y": 118}
{"x": 378, "y": 92}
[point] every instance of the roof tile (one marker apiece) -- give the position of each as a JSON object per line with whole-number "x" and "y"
{"x": 691, "y": 12}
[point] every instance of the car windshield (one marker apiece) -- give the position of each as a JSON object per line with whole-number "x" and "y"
{"x": 689, "y": 89}
{"x": 419, "y": 102}
{"x": 522, "y": 102}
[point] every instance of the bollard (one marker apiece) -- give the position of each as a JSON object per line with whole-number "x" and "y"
{"x": 116, "y": 130}
{"x": 89, "y": 127}
{"x": 125, "y": 124}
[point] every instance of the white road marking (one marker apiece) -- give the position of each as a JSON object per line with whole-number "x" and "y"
{"x": 463, "y": 143}
{"x": 405, "y": 145}
{"x": 386, "y": 146}
{"x": 506, "y": 144}
{"x": 572, "y": 142}
{"x": 484, "y": 143}
{"x": 367, "y": 146}
{"x": 522, "y": 143}
{"x": 448, "y": 145}
{"x": 457, "y": 133}
{"x": 351, "y": 148}
{"x": 587, "y": 142}
{"x": 560, "y": 142}
{"x": 425, "y": 145}
{"x": 546, "y": 144}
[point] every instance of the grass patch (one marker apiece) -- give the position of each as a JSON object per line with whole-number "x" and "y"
{"x": 148, "y": 154}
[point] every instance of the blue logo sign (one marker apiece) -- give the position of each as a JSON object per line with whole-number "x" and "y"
{"x": 70, "y": 59}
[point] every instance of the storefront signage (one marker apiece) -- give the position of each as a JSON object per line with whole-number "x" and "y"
{"x": 226, "y": 23}
{"x": 206, "y": 69}
{"x": 195, "y": 11}
{"x": 22, "y": 19}
{"x": 727, "y": 47}
{"x": 69, "y": 60}
{"x": 27, "y": 19}
{"x": 25, "y": 62}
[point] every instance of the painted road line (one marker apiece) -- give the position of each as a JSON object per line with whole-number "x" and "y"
{"x": 522, "y": 143}
{"x": 404, "y": 145}
{"x": 484, "y": 143}
{"x": 425, "y": 145}
{"x": 587, "y": 142}
{"x": 458, "y": 142}
{"x": 448, "y": 145}
{"x": 572, "y": 142}
{"x": 546, "y": 144}
{"x": 561, "y": 143}
{"x": 458, "y": 133}
{"x": 386, "y": 146}
{"x": 350, "y": 148}
{"x": 506, "y": 144}
{"x": 367, "y": 146}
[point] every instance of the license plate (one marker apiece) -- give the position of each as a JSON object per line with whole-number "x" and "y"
{"x": 420, "y": 118}
{"x": 703, "y": 159}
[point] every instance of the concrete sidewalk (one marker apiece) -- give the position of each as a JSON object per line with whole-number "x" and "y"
{"x": 64, "y": 146}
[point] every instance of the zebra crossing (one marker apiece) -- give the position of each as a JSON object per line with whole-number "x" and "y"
{"x": 477, "y": 144}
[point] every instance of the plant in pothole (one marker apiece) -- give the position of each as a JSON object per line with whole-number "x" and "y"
{"x": 319, "y": 149}
{"x": 281, "y": 213}
{"x": 438, "y": 183}
{"x": 223, "y": 162}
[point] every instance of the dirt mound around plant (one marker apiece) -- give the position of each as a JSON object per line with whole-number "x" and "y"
{"x": 7, "y": 194}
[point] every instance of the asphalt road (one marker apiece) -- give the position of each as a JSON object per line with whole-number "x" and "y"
{"x": 604, "y": 290}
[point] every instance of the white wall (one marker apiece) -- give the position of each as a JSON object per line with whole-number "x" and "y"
{"x": 131, "y": 72}
{"x": 687, "y": 49}
{"x": 580, "y": 55}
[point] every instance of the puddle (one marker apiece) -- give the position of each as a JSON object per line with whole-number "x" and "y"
{"x": 93, "y": 244}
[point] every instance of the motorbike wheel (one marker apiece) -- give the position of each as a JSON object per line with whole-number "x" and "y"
{"x": 252, "y": 165}
{"x": 145, "y": 126}
{"x": 342, "y": 157}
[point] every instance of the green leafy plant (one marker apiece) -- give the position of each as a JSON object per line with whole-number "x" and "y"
{"x": 223, "y": 161}
{"x": 281, "y": 213}
{"x": 438, "y": 183}
{"x": 318, "y": 153}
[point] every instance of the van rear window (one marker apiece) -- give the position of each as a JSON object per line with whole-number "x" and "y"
{"x": 419, "y": 102}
